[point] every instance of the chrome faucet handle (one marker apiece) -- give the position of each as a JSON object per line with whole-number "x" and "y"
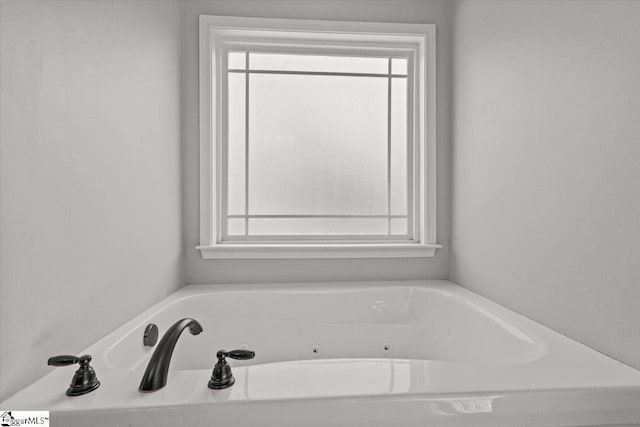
{"x": 222, "y": 377}
{"x": 84, "y": 380}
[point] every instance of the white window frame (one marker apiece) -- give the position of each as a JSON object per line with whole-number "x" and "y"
{"x": 219, "y": 34}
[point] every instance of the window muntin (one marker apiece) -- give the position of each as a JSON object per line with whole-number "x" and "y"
{"x": 329, "y": 153}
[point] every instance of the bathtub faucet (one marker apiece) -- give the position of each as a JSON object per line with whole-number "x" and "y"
{"x": 155, "y": 376}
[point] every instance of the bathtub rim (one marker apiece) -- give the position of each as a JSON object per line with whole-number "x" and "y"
{"x": 56, "y": 381}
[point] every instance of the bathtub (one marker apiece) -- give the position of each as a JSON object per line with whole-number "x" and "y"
{"x": 411, "y": 353}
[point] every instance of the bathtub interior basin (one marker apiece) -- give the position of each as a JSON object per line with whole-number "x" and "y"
{"x": 400, "y": 322}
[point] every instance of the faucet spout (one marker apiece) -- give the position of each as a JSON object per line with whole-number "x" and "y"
{"x": 155, "y": 376}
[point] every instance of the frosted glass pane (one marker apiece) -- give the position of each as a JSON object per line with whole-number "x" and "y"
{"x": 317, "y": 226}
{"x": 236, "y": 60}
{"x": 317, "y": 145}
{"x": 236, "y": 144}
{"x": 398, "y": 146}
{"x": 399, "y": 66}
{"x": 235, "y": 226}
{"x": 398, "y": 226}
{"x": 324, "y": 63}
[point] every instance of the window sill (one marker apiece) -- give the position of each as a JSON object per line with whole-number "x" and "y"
{"x": 302, "y": 251}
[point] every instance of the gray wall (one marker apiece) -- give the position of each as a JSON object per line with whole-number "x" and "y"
{"x": 546, "y": 164}
{"x": 221, "y": 271}
{"x": 90, "y": 169}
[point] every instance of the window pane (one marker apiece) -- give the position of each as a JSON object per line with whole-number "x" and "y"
{"x": 398, "y": 226}
{"x": 399, "y": 66}
{"x": 399, "y": 146}
{"x": 236, "y": 60}
{"x": 235, "y": 226}
{"x": 323, "y": 63}
{"x": 236, "y": 144}
{"x": 317, "y": 226}
{"x": 317, "y": 145}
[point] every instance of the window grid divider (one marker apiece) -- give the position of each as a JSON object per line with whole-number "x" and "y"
{"x": 246, "y": 145}
{"x": 311, "y": 238}
{"x": 389, "y": 150}
{"x": 286, "y": 216}
{"x": 412, "y": 152}
{"x": 318, "y": 73}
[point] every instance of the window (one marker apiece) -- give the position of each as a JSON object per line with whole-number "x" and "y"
{"x": 316, "y": 139}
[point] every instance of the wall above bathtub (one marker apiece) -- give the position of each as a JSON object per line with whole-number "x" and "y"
{"x": 198, "y": 270}
{"x": 546, "y": 164}
{"x": 90, "y": 163}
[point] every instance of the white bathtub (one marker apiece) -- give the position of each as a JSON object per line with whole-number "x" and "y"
{"x": 359, "y": 354}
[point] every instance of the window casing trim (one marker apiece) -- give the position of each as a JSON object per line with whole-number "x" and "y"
{"x": 221, "y": 34}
